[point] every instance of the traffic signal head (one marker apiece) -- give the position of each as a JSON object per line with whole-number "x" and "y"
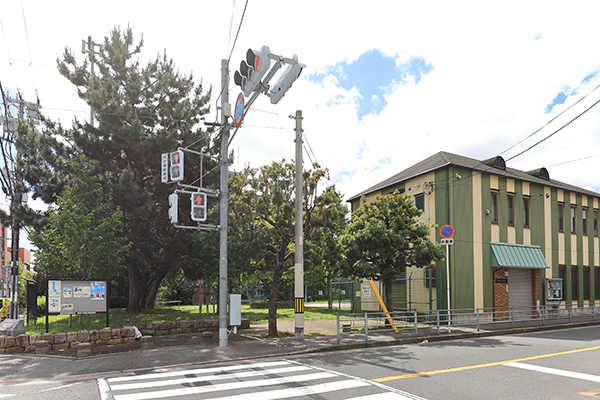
{"x": 173, "y": 208}
{"x": 176, "y": 170}
{"x": 252, "y": 70}
{"x": 285, "y": 81}
{"x": 198, "y": 212}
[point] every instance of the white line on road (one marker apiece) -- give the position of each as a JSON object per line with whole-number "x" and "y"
{"x": 553, "y": 371}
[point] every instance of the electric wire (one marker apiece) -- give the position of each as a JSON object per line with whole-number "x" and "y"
{"x": 29, "y": 49}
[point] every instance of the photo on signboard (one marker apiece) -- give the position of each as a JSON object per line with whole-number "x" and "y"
{"x": 98, "y": 290}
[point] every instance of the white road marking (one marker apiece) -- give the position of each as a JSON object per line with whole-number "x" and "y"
{"x": 553, "y": 371}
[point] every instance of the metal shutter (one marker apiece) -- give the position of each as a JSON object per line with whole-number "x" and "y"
{"x": 519, "y": 288}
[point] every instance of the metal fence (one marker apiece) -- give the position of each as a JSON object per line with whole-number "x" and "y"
{"x": 411, "y": 322}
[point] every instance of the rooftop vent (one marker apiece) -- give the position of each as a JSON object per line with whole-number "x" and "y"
{"x": 541, "y": 173}
{"x": 496, "y": 162}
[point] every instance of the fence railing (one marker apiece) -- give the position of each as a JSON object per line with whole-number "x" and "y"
{"x": 410, "y": 321}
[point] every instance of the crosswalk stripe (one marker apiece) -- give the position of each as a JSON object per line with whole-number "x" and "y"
{"x": 171, "y": 382}
{"x": 554, "y": 371}
{"x": 196, "y": 371}
{"x": 224, "y": 386}
{"x": 297, "y": 392}
{"x": 383, "y": 396}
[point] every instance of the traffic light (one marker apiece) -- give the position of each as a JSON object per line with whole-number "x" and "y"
{"x": 176, "y": 170}
{"x": 285, "y": 81}
{"x": 252, "y": 70}
{"x": 198, "y": 206}
{"x": 173, "y": 208}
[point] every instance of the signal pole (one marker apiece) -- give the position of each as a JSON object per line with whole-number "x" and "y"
{"x": 223, "y": 210}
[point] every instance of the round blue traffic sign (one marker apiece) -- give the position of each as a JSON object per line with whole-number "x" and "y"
{"x": 447, "y": 231}
{"x": 239, "y": 111}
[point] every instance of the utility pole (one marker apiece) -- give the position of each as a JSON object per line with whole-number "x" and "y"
{"x": 223, "y": 210}
{"x": 299, "y": 252}
{"x": 91, "y": 48}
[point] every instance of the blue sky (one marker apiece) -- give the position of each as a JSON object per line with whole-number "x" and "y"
{"x": 562, "y": 96}
{"x": 387, "y": 84}
{"x": 374, "y": 76}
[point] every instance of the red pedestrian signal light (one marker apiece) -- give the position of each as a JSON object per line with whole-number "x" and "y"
{"x": 198, "y": 211}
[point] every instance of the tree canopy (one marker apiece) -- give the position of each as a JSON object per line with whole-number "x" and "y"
{"x": 84, "y": 236}
{"x": 262, "y": 234}
{"x": 140, "y": 112}
{"x": 384, "y": 237}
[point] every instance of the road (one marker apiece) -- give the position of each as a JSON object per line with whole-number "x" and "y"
{"x": 561, "y": 364}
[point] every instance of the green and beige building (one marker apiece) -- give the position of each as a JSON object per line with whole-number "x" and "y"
{"x": 515, "y": 232}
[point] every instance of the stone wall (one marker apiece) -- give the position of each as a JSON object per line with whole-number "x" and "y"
{"x": 106, "y": 336}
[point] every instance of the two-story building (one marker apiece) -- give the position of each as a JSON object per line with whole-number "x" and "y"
{"x": 514, "y": 231}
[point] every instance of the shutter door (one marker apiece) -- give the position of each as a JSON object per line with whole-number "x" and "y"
{"x": 519, "y": 288}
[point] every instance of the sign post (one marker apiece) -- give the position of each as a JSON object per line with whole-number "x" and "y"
{"x": 447, "y": 231}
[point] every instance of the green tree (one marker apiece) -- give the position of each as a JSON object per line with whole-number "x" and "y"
{"x": 328, "y": 258}
{"x": 262, "y": 234}
{"x": 84, "y": 236}
{"x": 140, "y": 112}
{"x": 384, "y": 237}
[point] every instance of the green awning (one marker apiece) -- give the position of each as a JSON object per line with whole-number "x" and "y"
{"x": 517, "y": 256}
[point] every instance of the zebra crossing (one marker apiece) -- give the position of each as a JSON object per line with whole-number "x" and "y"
{"x": 272, "y": 380}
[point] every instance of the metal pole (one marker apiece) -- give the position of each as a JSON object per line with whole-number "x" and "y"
{"x": 299, "y": 253}
{"x": 223, "y": 211}
{"x": 448, "y": 285}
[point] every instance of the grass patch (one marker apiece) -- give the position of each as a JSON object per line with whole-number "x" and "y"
{"x": 118, "y": 317}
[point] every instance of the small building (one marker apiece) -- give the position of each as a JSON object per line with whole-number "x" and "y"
{"x": 516, "y": 233}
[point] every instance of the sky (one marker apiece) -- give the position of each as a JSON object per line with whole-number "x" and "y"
{"x": 386, "y": 84}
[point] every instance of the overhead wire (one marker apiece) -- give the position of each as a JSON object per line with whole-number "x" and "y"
{"x": 29, "y": 49}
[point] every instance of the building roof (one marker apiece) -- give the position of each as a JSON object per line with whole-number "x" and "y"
{"x": 517, "y": 256}
{"x": 494, "y": 166}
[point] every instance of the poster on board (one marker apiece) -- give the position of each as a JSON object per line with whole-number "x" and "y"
{"x": 77, "y": 297}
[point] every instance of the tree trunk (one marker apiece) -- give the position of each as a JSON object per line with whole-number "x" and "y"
{"x": 329, "y": 295}
{"x": 273, "y": 297}
{"x": 153, "y": 291}
{"x": 389, "y": 301}
{"x": 134, "y": 289}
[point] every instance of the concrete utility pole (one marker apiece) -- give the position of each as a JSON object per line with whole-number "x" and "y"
{"x": 299, "y": 253}
{"x": 223, "y": 210}
{"x": 90, "y": 47}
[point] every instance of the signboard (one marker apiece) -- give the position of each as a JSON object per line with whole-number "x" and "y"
{"x": 447, "y": 231}
{"x": 164, "y": 168}
{"x": 239, "y": 111}
{"x": 77, "y": 297}
{"x": 554, "y": 292}
{"x": 447, "y": 241}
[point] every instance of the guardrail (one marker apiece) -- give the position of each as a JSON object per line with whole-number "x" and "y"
{"x": 404, "y": 321}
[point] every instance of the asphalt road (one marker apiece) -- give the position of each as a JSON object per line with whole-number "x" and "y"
{"x": 559, "y": 364}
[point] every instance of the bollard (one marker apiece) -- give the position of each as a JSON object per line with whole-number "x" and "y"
{"x": 147, "y": 342}
{"x": 42, "y": 347}
{"x": 84, "y": 349}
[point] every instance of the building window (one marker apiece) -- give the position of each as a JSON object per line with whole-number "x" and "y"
{"x": 596, "y": 223}
{"x": 572, "y": 219}
{"x": 511, "y": 209}
{"x": 597, "y": 283}
{"x": 420, "y": 202}
{"x": 430, "y": 277}
{"x": 574, "y": 282}
{"x": 584, "y": 221}
{"x": 494, "y": 207}
{"x": 561, "y": 216}
{"x": 525, "y": 212}
{"x": 586, "y": 283}
{"x": 562, "y": 273}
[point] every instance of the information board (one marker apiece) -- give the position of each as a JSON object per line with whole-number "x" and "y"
{"x": 77, "y": 297}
